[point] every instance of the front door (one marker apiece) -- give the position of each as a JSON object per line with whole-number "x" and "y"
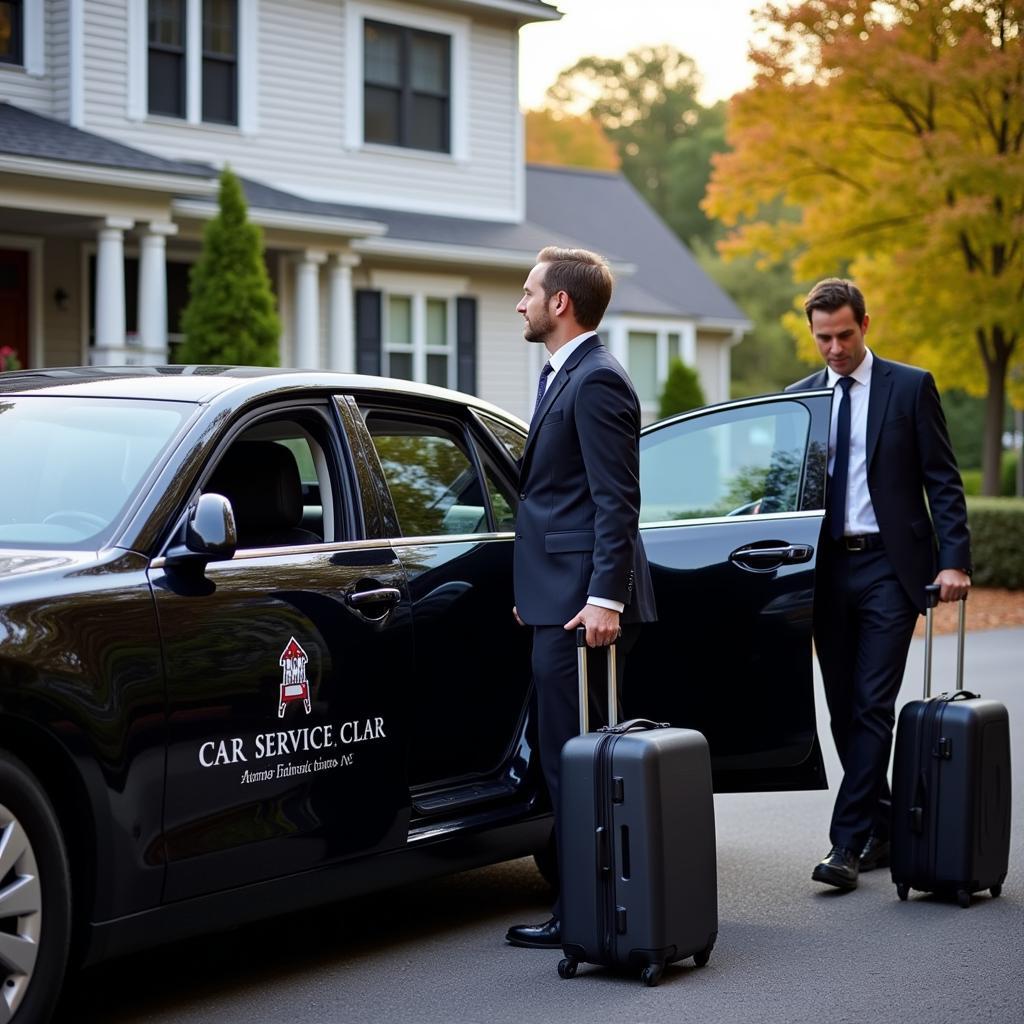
{"x": 286, "y": 671}
{"x": 14, "y": 304}
{"x": 732, "y": 508}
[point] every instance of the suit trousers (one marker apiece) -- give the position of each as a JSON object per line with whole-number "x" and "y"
{"x": 863, "y": 624}
{"x": 556, "y": 693}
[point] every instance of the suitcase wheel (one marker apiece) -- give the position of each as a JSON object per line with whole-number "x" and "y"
{"x": 651, "y": 974}
{"x": 996, "y": 890}
{"x": 963, "y": 897}
{"x": 567, "y": 967}
{"x": 902, "y": 890}
{"x": 701, "y": 959}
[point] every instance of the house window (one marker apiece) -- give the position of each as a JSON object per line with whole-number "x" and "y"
{"x": 650, "y": 351}
{"x": 214, "y": 66}
{"x": 406, "y": 87}
{"x": 12, "y": 32}
{"x": 220, "y": 61}
{"x": 419, "y": 339}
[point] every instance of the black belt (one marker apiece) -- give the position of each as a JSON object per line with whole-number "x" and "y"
{"x": 861, "y": 542}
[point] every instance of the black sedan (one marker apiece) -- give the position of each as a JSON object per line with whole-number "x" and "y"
{"x": 257, "y": 648}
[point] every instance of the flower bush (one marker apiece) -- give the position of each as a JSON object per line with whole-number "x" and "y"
{"x": 8, "y": 358}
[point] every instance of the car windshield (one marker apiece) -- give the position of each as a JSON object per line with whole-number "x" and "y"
{"x": 69, "y": 466}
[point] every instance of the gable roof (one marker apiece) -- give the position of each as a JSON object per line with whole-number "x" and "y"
{"x": 605, "y": 211}
{"x": 25, "y": 134}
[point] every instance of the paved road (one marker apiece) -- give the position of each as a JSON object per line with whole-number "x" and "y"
{"x": 788, "y": 952}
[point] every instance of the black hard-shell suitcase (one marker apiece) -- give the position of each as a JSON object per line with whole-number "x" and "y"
{"x": 637, "y": 835}
{"x": 951, "y": 788}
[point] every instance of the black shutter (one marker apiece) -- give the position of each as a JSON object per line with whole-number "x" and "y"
{"x": 368, "y": 328}
{"x": 465, "y": 344}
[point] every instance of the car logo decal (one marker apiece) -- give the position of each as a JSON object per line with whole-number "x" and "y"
{"x": 294, "y": 684}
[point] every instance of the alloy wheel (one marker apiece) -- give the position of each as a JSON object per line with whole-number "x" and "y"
{"x": 21, "y": 912}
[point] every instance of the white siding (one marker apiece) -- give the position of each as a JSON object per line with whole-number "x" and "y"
{"x": 33, "y": 92}
{"x": 713, "y": 366}
{"x": 300, "y": 142}
{"x": 503, "y": 356}
{"x": 58, "y": 56}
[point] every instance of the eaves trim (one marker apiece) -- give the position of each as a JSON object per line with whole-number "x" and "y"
{"x": 119, "y": 177}
{"x": 313, "y": 223}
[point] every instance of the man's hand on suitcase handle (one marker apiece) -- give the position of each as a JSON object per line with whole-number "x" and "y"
{"x": 954, "y": 584}
{"x": 602, "y": 624}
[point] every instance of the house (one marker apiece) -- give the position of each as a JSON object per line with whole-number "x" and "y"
{"x": 380, "y": 145}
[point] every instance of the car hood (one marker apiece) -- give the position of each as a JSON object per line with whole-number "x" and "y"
{"x": 19, "y": 562}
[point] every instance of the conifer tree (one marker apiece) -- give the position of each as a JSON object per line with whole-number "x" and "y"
{"x": 682, "y": 390}
{"x": 231, "y": 317}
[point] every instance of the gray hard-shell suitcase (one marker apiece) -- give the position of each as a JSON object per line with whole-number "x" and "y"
{"x": 951, "y": 788}
{"x": 637, "y": 840}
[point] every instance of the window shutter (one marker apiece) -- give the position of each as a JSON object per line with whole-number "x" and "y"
{"x": 465, "y": 344}
{"x": 368, "y": 331}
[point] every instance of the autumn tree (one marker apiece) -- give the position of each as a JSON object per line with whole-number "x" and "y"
{"x": 231, "y": 315}
{"x": 553, "y": 137}
{"x": 895, "y": 129}
{"x": 646, "y": 102}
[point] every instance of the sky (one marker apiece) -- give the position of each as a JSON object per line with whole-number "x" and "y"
{"x": 714, "y": 33}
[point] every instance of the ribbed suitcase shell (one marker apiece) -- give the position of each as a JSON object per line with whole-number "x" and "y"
{"x": 951, "y": 796}
{"x": 639, "y": 874}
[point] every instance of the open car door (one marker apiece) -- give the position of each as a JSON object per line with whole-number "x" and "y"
{"x": 733, "y": 504}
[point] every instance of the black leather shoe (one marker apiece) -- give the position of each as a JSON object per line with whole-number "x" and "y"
{"x": 537, "y": 936}
{"x": 875, "y": 853}
{"x": 839, "y": 868}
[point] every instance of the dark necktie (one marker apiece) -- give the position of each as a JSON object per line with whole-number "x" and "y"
{"x": 841, "y": 466}
{"x": 542, "y": 386}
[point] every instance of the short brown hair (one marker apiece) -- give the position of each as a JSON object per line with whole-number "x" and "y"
{"x": 833, "y": 293}
{"x": 583, "y": 276}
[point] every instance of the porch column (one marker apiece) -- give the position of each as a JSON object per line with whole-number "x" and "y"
{"x": 110, "y": 330}
{"x": 340, "y": 315}
{"x": 153, "y": 287}
{"x": 306, "y": 353}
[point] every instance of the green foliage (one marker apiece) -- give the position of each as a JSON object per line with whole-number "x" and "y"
{"x": 997, "y": 541}
{"x": 682, "y": 391}
{"x": 231, "y": 317}
{"x": 1007, "y": 477}
{"x": 646, "y": 102}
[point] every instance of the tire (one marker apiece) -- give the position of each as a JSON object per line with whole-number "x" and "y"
{"x": 35, "y": 897}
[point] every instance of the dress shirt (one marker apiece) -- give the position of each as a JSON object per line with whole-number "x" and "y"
{"x": 557, "y": 361}
{"x": 860, "y": 513}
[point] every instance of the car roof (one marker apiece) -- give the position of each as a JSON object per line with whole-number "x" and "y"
{"x": 203, "y": 384}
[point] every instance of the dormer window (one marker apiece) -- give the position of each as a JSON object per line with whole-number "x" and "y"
{"x": 205, "y": 61}
{"x": 12, "y": 32}
{"x": 406, "y": 87}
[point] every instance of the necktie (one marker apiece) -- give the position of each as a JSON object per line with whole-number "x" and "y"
{"x": 841, "y": 466}
{"x": 542, "y": 386}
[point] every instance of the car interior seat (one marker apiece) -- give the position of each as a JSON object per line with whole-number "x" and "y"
{"x": 261, "y": 480}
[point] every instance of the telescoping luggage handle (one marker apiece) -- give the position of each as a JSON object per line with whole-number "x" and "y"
{"x": 613, "y": 682}
{"x": 932, "y": 592}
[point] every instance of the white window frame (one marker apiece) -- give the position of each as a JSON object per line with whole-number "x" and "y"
{"x": 419, "y": 288}
{"x": 618, "y": 332}
{"x": 247, "y": 67}
{"x": 456, "y": 28}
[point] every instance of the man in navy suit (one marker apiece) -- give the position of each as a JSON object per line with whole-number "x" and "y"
{"x": 579, "y": 559}
{"x": 888, "y": 448}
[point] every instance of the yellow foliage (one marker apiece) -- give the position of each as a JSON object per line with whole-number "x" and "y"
{"x": 567, "y": 141}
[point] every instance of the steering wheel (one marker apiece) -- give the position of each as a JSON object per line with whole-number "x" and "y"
{"x": 75, "y": 517}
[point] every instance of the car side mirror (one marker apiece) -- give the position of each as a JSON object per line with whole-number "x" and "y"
{"x": 210, "y": 533}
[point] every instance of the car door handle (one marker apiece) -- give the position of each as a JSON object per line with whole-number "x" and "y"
{"x": 389, "y": 596}
{"x": 771, "y": 557}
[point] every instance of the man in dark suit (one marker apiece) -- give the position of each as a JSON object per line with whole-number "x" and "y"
{"x": 888, "y": 448}
{"x": 579, "y": 559}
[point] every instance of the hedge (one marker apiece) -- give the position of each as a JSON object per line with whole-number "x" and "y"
{"x": 1007, "y": 476}
{"x": 997, "y": 541}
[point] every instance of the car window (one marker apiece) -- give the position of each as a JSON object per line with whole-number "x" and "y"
{"x": 433, "y": 482}
{"x": 277, "y": 476}
{"x": 740, "y": 461}
{"x": 513, "y": 439}
{"x": 69, "y": 466}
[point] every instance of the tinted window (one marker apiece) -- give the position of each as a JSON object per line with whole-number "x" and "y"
{"x": 742, "y": 461}
{"x": 512, "y": 439}
{"x": 70, "y": 466}
{"x": 434, "y": 485}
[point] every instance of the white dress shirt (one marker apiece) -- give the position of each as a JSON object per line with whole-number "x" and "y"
{"x": 860, "y": 513}
{"x": 557, "y": 361}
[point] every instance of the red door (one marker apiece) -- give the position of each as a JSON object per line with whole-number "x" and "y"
{"x": 14, "y": 302}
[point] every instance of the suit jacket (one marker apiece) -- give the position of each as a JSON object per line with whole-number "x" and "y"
{"x": 909, "y": 456}
{"x": 577, "y": 525}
